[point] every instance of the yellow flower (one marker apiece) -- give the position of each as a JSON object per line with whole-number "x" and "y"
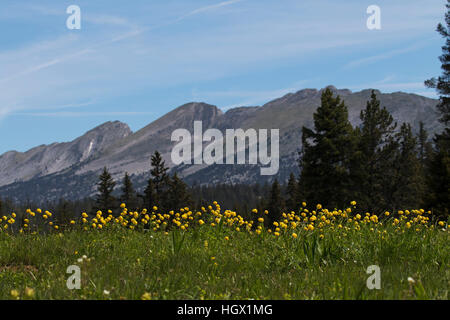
{"x": 146, "y": 296}
{"x": 15, "y": 294}
{"x": 72, "y": 222}
{"x": 441, "y": 223}
{"x": 295, "y": 235}
{"x": 29, "y": 292}
{"x": 303, "y": 204}
{"x": 122, "y": 205}
{"x": 353, "y": 203}
{"x": 261, "y": 220}
{"x": 227, "y": 238}
{"x": 319, "y": 206}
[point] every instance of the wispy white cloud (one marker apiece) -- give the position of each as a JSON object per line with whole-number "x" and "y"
{"x": 103, "y": 64}
{"x": 211, "y": 7}
{"x": 384, "y": 56}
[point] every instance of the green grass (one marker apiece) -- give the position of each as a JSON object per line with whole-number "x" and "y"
{"x": 130, "y": 263}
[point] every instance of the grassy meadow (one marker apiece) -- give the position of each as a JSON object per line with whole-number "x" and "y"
{"x": 215, "y": 254}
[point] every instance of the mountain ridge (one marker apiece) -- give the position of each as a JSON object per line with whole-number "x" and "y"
{"x": 115, "y": 146}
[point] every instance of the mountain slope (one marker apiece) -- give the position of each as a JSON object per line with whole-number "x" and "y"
{"x": 65, "y": 169}
{"x": 45, "y": 160}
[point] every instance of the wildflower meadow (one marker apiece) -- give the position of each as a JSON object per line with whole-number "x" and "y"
{"x": 212, "y": 253}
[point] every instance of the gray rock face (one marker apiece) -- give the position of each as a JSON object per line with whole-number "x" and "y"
{"x": 45, "y": 160}
{"x": 114, "y": 145}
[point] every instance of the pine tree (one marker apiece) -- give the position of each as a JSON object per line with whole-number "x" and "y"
{"x": 407, "y": 178}
{"x": 149, "y": 196}
{"x": 442, "y": 83}
{"x": 160, "y": 178}
{"x": 128, "y": 194}
{"x": 325, "y": 155}
{"x": 292, "y": 194}
{"x": 438, "y": 180}
{"x": 425, "y": 150}
{"x": 178, "y": 195}
{"x": 425, "y": 147}
{"x": 439, "y": 165}
{"x": 275, "y": 205}
{"x": 372, "y": 158}
{"x": 105, "y": 187}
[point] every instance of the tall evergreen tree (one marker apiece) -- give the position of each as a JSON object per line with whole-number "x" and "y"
{"x": 373, "y": 156}
{"x": 425, "y": 151}
{"x": 275, "y": 205}
{"x": 178, "y": 195}
{"x": 105, "y": 187}
{"x": 442, "y": 83}
{"x": 425, "y": 147}
{"x": 325, "y": 155}
{"x": 438, "y": 180}
{"x": 407, "y": 177}
{"x": 439, "y": 173}
{"x": 160, "y": 180}
{"x": 149, "y": 196}
{"x": 128, "y": 194}
{"x": 292, "y": 194}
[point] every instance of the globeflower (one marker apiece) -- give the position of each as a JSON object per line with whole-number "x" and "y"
{"x": 15, "y": 294}
{"x": 29, "y": 292}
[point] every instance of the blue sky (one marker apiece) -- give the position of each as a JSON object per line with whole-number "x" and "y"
{"x": 134, "y": 61}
